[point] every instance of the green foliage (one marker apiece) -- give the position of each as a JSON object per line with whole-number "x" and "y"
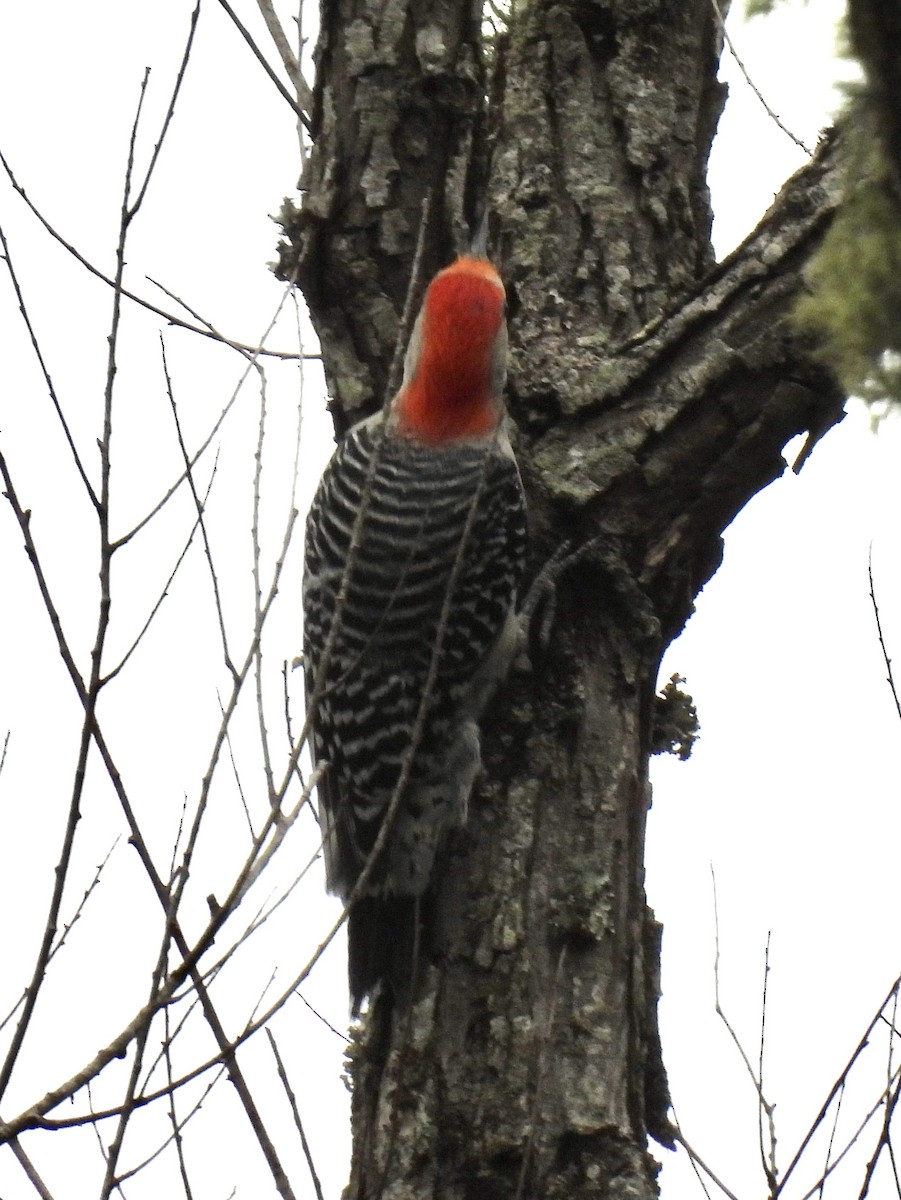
{"x": 853, "y": 305}
{"x": 761, "y": 8}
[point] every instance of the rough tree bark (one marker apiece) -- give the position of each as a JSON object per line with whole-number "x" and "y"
{"x": 653, "y": 392}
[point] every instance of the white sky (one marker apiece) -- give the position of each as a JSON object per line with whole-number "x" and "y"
{"x": 791, "y": 793}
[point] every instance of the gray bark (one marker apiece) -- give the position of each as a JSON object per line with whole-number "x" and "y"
{"x": 653, "y": 393}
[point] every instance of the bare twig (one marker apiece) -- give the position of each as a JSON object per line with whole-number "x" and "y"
{"x": 890, "y": 677}
{"x": 849, "y": 1145}
{"x": 677, "y": 1134}
{"x": 66, "y": 930}
{"x": 892, "y": 1092}
{"x": 260, "y": 57}
{"x": 74, "y": 812}
{"x": 170, "y": 318}
{"x": 768, "y": 1144}
{"x": 173, "y": 1118}
{"x": 753, "y": 86}
{"x": 170, "y": 111}
{"x": 91, "y": 728}
{"x": 698, "y": 1163}
{"x": 831, "y": 1145}
{"x": 31, "y": 1171}
{"x": 257, "y": 587}
{"x": 250, "y": 355}
{"x": 176, "y": 1135}
{"x": 140, "y": 1045}
{"x": 199, "y": 506}
{"x": 274, "y": 818}
{"x": 51, "y": 390}
{"x": 289, "y": 59}
{"x": 93, "y": 689}
{"x": 235, "y": 772}
{"x": 720, "y": 1012}
{"x": 165, "y": 589}
{"x": 292, "y": 1100}
{"x": 836, "y": 1089}
{"x": 319, "y": 1017}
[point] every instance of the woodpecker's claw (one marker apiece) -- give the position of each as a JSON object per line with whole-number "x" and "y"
{"x": 539, "y": 608}
{"x": 540, "y": 605}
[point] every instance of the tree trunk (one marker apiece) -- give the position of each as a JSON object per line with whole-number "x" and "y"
{"x": 653, "y": 393}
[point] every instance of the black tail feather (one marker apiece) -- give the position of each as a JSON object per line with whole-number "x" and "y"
{"x": 382, "y": 944}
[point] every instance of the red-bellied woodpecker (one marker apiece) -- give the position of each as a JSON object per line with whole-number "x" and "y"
{"x": 415, "y": 545}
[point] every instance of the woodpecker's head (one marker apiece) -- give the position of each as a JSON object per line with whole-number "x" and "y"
{"x": 456, "y": 364}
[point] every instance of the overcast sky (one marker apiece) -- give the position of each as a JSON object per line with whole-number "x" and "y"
{"x": 791, "y": 795}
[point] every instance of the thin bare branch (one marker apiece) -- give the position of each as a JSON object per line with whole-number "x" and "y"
{"x": 31, "y": 1171}
{"x": 753, "y": 86}
{"x": 319, "y": 1017}
{"x": 23, "y": 516}
{"x": 838, "y": 1086}
{"x": 170, "y": 112}
{"x": 849, "y": 1146}
{"x": 140, "y": 1045}
{"x": 165, "y": 589}
{"x": 74, "y": 812}
{"x": 188, "y": 966}
{"x": 261, "y": 59}
{"x": 67, "y": 928}
{"x": 832, "y": 1135}
{"x": 173, "y": 1118}
{"x": 60, "y": 876}
{"x": 199, "y": 506}
{"x": 176, "y": 1138}
{"x": 170, "y": 318}
{"x": 893, "y": 1090}
{"x": 250, "y": 355}
{"x": 292, "y": 1100}
{"x": 289, "y": 60}
{"x": 677, "y": 1135}
{"x": 719, "y": 1008}
{"x": 764, "y": 1109}
{"x": 257, "y": 587}
{"x": 234, "y": 765}
{"x": 890, "y": 677}
{"x": 51, "y": 390}
{"x": 698, "y": 1162}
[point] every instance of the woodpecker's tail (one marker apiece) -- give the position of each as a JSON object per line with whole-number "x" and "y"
{"x": 382, "y": 944}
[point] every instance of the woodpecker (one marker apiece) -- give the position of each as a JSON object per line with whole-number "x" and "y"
{"x": 430, "y": 493}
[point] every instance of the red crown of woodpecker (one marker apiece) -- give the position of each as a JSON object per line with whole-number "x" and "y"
{"x": 456, "y": 363}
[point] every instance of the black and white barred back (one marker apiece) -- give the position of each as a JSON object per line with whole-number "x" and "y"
{"x": 374, "y": 679}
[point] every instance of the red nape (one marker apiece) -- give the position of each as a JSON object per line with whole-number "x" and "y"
{"x": 450, "y": 394}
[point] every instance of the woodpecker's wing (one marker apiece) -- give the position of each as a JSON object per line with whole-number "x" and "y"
{"x": 421, "y": 501}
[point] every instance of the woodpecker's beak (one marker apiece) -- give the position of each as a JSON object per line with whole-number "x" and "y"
{"x": 478, "y": 247}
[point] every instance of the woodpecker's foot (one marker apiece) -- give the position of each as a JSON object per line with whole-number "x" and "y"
{"x": 540, "y": 605}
